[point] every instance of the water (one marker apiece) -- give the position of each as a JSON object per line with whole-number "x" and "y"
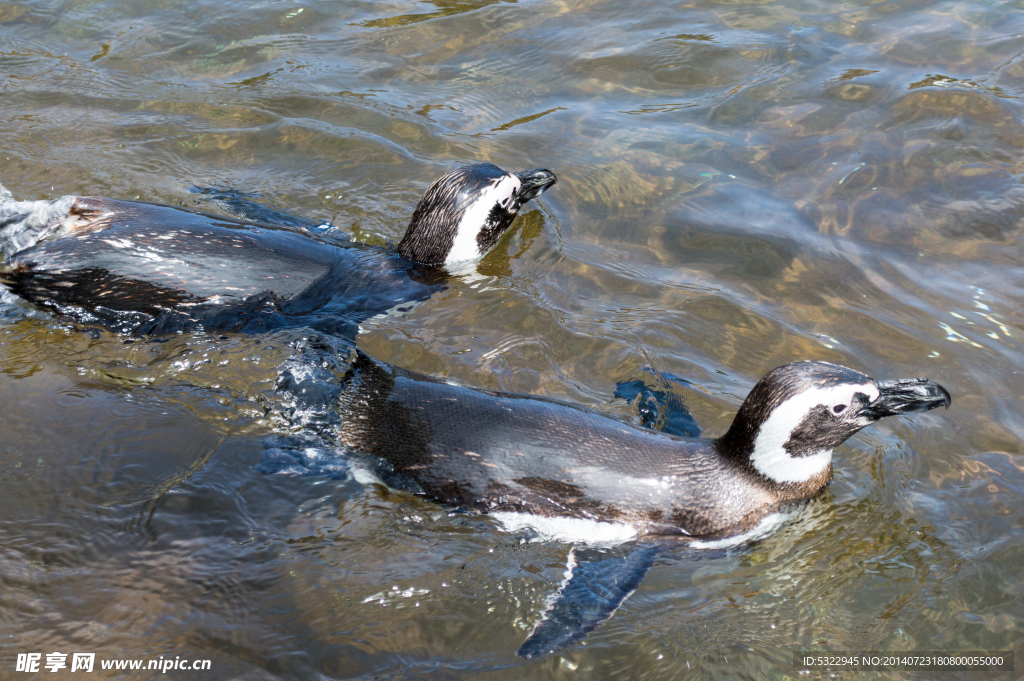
{"x": 741, "y": 185}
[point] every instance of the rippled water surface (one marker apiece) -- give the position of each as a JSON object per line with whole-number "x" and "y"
{"x": 742, "y": 184}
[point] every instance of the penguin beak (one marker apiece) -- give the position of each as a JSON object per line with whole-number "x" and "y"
{"x": 906, "y": 396}
{"x": 535, "y": 182}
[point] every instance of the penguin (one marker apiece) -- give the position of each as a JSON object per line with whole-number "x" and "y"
{"x": 561, "y": 472}
{"x": 148, "y": 268}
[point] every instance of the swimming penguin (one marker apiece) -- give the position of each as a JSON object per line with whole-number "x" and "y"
{"x": 566, "y": 473}
{"x": 150, "y": 268}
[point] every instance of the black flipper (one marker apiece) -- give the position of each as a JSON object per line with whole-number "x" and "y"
{"x": 597, "y": 582}
{"x": 660, "y": 408}
{"x": 243, "y": 207}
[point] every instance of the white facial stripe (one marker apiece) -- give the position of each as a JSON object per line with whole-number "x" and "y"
{"x": 568, "y": 530}
{"x": 770, "y": 456}
{"x": 465, "y": 247}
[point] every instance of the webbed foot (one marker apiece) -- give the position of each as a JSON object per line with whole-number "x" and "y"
{"x": 597, "y": 582}
{"x": 661, "y": 408}
{"x": 303, "y": 454}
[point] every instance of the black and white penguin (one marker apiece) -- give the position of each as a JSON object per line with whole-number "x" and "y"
{"x": 150, "y": 268}
{"x": 565, "y": 473}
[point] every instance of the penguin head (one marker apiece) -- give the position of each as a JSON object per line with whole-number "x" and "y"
{"x": 798, "y": 413}
{"x": 464, "y": 213}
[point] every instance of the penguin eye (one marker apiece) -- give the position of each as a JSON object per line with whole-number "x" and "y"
{"x": 839, "y": 408}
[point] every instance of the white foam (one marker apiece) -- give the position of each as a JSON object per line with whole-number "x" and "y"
{"x": 568, "y": 530}
{"x": 365, "y": 477}
{"x": 770, "y": 456}
{"x": 464, "y": 247}
{"x": 37, "y": 220}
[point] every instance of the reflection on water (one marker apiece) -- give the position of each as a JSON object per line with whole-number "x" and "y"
{"x": 741, "y": 185}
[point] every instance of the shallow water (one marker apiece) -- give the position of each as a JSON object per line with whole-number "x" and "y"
{"x": 741, "y": 185}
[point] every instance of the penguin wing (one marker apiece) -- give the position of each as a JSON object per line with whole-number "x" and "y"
{"x": 596, "y": 584}
{"x": 242, "y": 206}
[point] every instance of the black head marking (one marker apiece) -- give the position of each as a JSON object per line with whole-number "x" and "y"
{"x": 777, "y": 386}
{"x": 498, "y": 220}
{"x": 533, "y": 183}
{"x": 822, "y": 430}
{"x": 796, "y": 415}
{"x": 435, "y": 222}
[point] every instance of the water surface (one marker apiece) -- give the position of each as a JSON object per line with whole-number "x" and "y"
{"x": 742, "y": 184}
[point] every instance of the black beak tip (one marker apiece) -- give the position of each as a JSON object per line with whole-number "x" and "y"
{"x": 907, "y": 396}
{"x": 939, "y": 396}
{"x": 534, "y": 183}
{"x": 947, "y": 399}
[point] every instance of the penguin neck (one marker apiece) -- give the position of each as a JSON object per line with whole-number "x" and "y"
{"x": 761, "y": 453}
